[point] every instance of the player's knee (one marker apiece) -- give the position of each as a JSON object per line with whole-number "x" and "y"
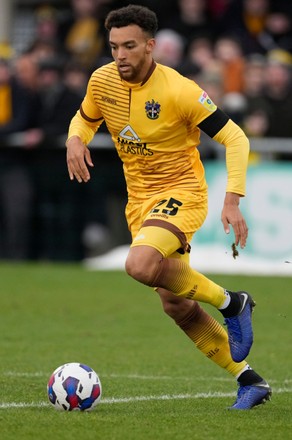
{"x": 142, "y": 264}
{"x": 140, "y": 270}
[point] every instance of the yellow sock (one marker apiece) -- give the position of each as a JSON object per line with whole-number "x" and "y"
{"x": 210, "y": 338}
{"x": 178, "y": 277}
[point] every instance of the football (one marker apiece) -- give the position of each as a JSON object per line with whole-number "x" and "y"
{"x": 74, "y": 386}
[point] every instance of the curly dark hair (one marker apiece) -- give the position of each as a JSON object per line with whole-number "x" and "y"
{"x": 133, "y": 14}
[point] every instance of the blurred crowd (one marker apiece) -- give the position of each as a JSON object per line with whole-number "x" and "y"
{"x": 239, "y": 51}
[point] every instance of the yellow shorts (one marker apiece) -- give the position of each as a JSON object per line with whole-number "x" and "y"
{"x": 167, "y": 221}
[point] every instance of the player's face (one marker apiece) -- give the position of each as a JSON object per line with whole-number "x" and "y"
{"x": 132, "y": 51}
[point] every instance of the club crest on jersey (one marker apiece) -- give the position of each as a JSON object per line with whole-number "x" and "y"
{"x": 207, "y": 102}
{"x": 152, "y": 109}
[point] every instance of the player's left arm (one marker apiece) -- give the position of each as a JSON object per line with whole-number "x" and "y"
{"x": 223, "y": 130}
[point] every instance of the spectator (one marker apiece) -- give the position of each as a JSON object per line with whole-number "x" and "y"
{"x": 57, "y": 215}
{"x": 246, "y": 20}
{"x": 16, "y": 193}
{"x": 270, "y": 106}
{"x": 14, "y": 103}
{"x": 255, "y": 120}
{"x": 278, "y": 93}
{"x": 169, "y": 49}
{"x": 230, "y": 61}
{"x": 47, "y": 23}
{"x": 228, "y": 52}
{"x": 253, "y": 78}
{"x": 192, "y": 19}
{"x": 34, "y": 24}
{"x": 76, "y": 78}
{"x": 200, "y": 52}
{"x": 82, "y": 33}
{"x": 26, "y": 72}
{"x": 42, "y": 50}
{"x": 278, "y": 29}
{"x": 57, "y": 105}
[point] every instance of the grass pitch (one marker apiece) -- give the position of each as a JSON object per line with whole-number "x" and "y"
{"x": 156, "y": 385}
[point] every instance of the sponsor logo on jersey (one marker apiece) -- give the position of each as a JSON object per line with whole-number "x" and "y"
{"x": 207, "y": 102}
{"x": 135, "y": 148}
{"x": 152, "y": 109}
{"x": 130, "y": 143}
{"x": 129, "y": 133}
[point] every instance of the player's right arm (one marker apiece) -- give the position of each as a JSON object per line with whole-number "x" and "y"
{"x": 82, "y": 128}
{"x": 78, "y": 159}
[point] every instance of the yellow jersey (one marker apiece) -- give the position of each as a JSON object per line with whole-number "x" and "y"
{"x": 153, "y": 124}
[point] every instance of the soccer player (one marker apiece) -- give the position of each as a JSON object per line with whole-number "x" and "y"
{"x": 154, "y": 116}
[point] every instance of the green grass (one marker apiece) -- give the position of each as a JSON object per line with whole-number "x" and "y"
{"x": 52, "y": 314}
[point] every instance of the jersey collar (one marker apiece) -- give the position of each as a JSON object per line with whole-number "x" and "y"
{"x": 149, "y": 73}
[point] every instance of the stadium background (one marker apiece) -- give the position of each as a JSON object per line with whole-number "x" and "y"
{"x": 45, "y": 217}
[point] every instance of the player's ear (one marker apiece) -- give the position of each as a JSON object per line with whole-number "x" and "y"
{"x": 150, "y": 45}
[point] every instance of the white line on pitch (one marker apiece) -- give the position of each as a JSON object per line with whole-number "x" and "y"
{"x": 10, "y": 405}
{"x": 120, "y": 376}
{"x": 142, "y": 377}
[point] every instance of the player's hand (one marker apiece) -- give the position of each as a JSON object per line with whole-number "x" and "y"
{"x": 231, "y": 215}
{"x": 78, "y": 159}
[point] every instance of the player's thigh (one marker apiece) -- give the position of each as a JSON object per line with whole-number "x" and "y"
{"x": 167, "y": 222}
